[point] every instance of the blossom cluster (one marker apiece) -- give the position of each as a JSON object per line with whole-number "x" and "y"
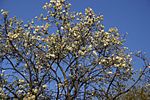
{"x": 69, "y": 49}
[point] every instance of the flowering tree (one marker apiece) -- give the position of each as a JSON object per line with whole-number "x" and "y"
{"x": 68, "y": 55}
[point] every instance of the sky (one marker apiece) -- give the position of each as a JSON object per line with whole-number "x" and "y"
{"x": 129, "y": 16}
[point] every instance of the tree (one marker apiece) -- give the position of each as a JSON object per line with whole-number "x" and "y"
{"x": 142, "y": 93}
{"x": 64, "y": 55}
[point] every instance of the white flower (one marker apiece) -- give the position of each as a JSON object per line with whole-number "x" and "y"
{"x": 94, "y": 53}
{"x": 81, "y": 53}
{"x": 21, "y": 86}
{"x": 60, "y": 85}
{"x": 21, "y": 81}
{"x": 5, "y": 13}
{"x": 109, "y": 72}
{"x": 35, "y": 90}
{"x": 2, "y": 10}
{"x": 12, "y": 36}
{"x": 32, "y": 97}
{"x": 1, "y": 89}
{"x": 123, "y": 65}
{"x": 103, "y": 60}
{"x": 119, "y": 58}
{"x": 62, "y": 28}
{"x": 90, "y": 47}
{"x": 3, "y": 71}
{"x": 117, "y": 65}
{"x": 105, "y": 44}
{"x": 51, "y": 55}
{"x": 25, "y": 65}
{"x": 44, "y": 86}
{"x": 69, "y": 48}
{"x": 147, "y": 85}
{"x": 19, "y": 91}
{"x": 128, "y": 70}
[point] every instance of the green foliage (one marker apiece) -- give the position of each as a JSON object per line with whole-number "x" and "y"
{"x": 136, "y": 94}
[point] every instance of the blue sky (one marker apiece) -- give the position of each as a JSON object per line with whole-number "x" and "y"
{"x": 131, "y": 16}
